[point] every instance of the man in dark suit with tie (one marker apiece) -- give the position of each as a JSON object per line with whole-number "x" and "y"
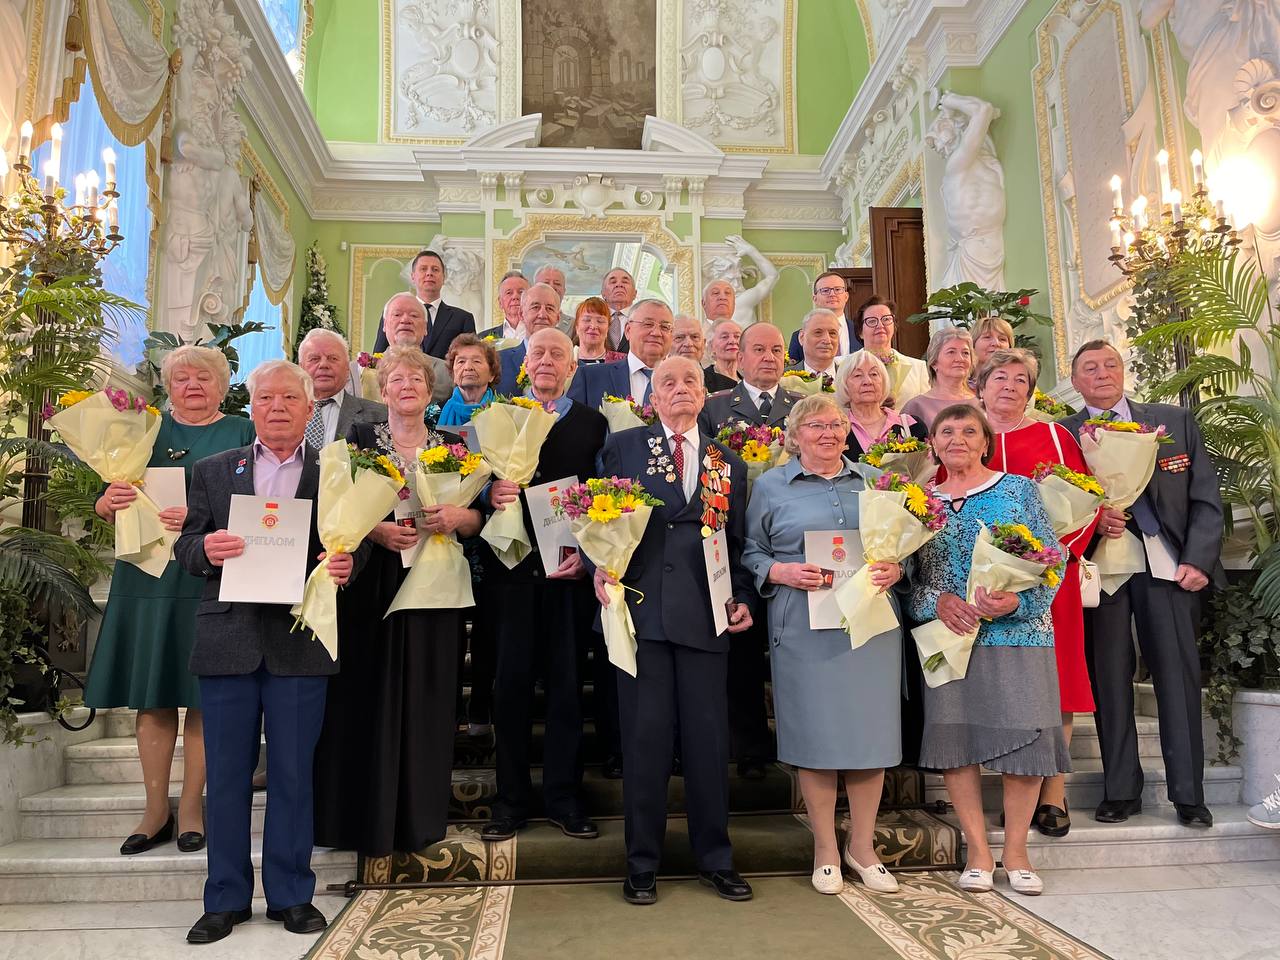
{"x": 756, "y": 399}
{"x": 510, "y": 289}
{"x": 539, "y": 309}
{"x": 1179, "y": 517}
{"x": 681, "y": 659}
{"x": 325, "y": 356}
{"x": 547, "y": 611}
{"x": 649, "y": 331}
{"x": 443, "y": 321}
{"x": 256, "y": 669}
{"x": 618, "y": 288}
{"x": 830, "y": 292}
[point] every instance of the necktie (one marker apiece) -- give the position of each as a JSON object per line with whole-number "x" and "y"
{"x": 427, "y": 308}
{"x": 315, "y": 432}
{"x": 766, "y": 405}
{"x": 677, "y": 454}
{"x": 648, "y": 385}
{"x": 615, "y": 329}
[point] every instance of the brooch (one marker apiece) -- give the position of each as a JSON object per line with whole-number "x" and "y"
{"x": 178, "y": 454}
{"x": 660, "y": 461}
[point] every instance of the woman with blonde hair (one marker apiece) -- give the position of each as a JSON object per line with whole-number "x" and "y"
{"x": 950, "y": 362}
{"x": 148, "y": 627}
{"x": 862, "y": 384}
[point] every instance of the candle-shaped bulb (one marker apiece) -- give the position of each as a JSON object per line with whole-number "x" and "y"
{"x": 93, "y": 184}
{"x": 1128, "y": 242}
{"x": 1139, "y": 210}
{"x": 1197, "y": 168}
{"x": 55, "y": 147}
{"x": 1116, "y": 233}
{"x": 24, "y": 141}
{"x": 1162, "y": 165}
{"x": 1175, "y": 201}
{"x": 50, "y": 178}
{"x": 81, "y": 184}
{"x": 1117, "y": 195}
{"x": 113, "y": 216}
{"x": 1206, "y": 224}
{"x": 1220, "y": 208}
{"x": 109, "y": 161}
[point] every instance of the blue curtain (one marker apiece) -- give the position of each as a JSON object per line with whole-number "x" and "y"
{"x": 283, "y": 17}
{"x": 124, "y": 271}
{"x": 255, "y": 348}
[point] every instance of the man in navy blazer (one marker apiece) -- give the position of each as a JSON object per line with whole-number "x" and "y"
{"x": 650, "y": 328}
{"x": 681, "y": 659}
{"x": 510, "y": 289}
{"x": 443, "y": 321}
{"x": 539, "y": 308}
{"x": 830, "y": 292}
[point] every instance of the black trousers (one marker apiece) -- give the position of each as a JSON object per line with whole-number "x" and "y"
{"x": 675, "y": 681}
{"x": 749, "y": 735}
{"x": 604, "y": 685}
{"x": 1165, "y": 615}
{"x": 536, "y": 636}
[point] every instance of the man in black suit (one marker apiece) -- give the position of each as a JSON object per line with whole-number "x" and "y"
{"x": 681, "y": 660}
{"x": 510, "y": 289}
{"x": 649, "y": 332}
{"x": 756, "y": 399}
{"x": 546, "y": 616}
{"x": 325, "y": 356}
{"x": 830, "y": 292}
{"x": 619, "y": 291}
{"x": 443, "y": 321}
{"x": 819, "y": 340}
{"x": 1179, "y": 517}
{"x": 254, "y": 668}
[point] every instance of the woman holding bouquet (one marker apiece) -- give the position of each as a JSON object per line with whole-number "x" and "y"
{"x": 1003, "y": 713}
{"x": 875, "y": 326}
{"x": 591, "y": 333}
{"x": 862, "y": 383}
{"x": 950, "y": 362}
{"x": 385, "y": 756}
{"x": 144, "y": 643}
{"x": 822, "y": 688}
{"x": 1006, "y": 383}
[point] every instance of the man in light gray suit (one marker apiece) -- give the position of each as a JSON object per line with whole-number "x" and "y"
{"x": 255, "y": 669}
{"x": 325, "y": 356}
{"x": 1179, "y": 517}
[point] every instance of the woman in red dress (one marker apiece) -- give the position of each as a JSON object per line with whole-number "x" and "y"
{"x": 1005, "y": 384}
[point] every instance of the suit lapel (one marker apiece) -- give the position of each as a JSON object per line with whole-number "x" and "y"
{"x": 309, "y": 482}
{"x": 781, "y": 409}
{"x": 242, "y": 472}
{"x": 741, "y": 406}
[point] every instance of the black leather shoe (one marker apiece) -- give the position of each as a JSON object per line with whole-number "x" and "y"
{"x": 576, "y": 826}
{"x": 751, "y": 769}
{"x": 1052, "y": 821}
{"x": 191, "y": 841}
{"x": 140, "y": 842}
{"x": 304, "y": 918}
{"x": 640, "y": 888}
{"x": 727, "y": 883}
{"x": 612, "y": 767}
{"x": 1194, "y": 815}
{"x": 1117, "y": 811}
{"x": 212, "y": 927}
{"x": 502, "y": 828}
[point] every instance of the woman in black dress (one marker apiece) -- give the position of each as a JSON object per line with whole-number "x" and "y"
{"x": 385, "y": 757}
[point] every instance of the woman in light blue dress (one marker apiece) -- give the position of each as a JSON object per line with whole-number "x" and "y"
{"x": 837, "y": 709}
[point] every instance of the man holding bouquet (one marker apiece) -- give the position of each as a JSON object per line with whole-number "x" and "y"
{"x": 681, "y": 659}
{"x": 546, "y": 615}
{"x": 1179, "y": 519}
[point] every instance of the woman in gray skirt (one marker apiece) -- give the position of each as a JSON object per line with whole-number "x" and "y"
{"x": 1004, "y": 713}
{"x": 837, "y": 708}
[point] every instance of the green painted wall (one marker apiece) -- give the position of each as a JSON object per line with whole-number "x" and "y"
{"x": 343, "y": 69}
{"x": 792, "y": 296}
{"x": 831, "y": 61}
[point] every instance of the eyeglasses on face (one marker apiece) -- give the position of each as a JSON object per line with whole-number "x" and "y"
{"x": 830, "y": 291}
{"x": 648, "y": 325}
{"x": 820, "y": 428}
{"x": 881, "y": 322}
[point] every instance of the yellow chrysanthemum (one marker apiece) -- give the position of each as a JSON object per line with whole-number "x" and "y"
{"x": 152, "y": 410}
{"x": 872, "y": 458}
{"x": 629, "y": 502}
{"x": 469, "y": 465}
{"x": 72, "y": 397}
{"x": 391, "y": 469}
{"x": 753, "y": 451}
{"x": 603, "y": 509}
{"x": 433, "y": 455}
{"x": 917, "y": 502}
{"x": 526, "y": 403}
{"x": 1051, "y": 577}
{"x": 1025, "y": 532}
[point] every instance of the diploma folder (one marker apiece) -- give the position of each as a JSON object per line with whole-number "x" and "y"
{"x": 273, "y": 567}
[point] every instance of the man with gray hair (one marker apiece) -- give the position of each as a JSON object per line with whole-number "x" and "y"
{"x": 554, "y": 278}
{"x": 819, "y": 342}
{"x": 510, "y": 289}
{"x": 539, "y": 309}
{"x": 325, "y": 356}
{"x": 405, "y": 320}
{"x": 618, "y": 288}
{"x": 649, "y": 332}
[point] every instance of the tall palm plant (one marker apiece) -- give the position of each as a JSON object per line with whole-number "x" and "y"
{"x": 1233, "y": 339}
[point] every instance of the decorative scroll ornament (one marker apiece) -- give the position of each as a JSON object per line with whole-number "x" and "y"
{"x": 445, "y": 64}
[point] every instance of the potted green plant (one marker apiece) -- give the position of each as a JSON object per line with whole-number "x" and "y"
{"x": 965, "y": 303}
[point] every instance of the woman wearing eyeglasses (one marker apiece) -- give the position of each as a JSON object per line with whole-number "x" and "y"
{"x": 875, "y": 326}
{"x": 837, "y": 709}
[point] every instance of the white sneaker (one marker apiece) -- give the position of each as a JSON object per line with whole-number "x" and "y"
{"x": 1266, "y": 812}
{"x": 974, "y": 880}
{"x": 1025, "y": 882}
{"x": 828, "y": 879}
{"x": 876, "y": 877}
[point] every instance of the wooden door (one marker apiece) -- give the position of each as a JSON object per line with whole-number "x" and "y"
{"x": 897, "y": 271}
{"x": 858, "y": 281}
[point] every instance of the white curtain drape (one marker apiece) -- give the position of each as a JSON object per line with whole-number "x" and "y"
{"x": 130, "y": 67}
{"x": 276, "y": 248}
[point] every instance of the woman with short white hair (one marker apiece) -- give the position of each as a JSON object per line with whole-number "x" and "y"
{"x": 862, "y": 383}
{"x": 148, "y": 627}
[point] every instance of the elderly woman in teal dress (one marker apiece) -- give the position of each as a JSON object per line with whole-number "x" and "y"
{"x": 144, "y": 643}
{"x": 1003, "y": 714}
{"x": 837, "y": 709}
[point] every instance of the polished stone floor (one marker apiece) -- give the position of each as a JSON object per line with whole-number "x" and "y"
{"x": 1210, "y": 912}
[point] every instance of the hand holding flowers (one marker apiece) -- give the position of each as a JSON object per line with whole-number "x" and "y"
{"x": 1070, "y": 498}
{"x": 511, "y": 431}
{"x": 907, "y": 455}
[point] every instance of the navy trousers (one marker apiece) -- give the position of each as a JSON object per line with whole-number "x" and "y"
{"x": 235, "y": 710}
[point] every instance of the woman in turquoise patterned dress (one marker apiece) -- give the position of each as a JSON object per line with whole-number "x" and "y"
{"x": 140, "y": 659}
{"x": 1003, "y": 714}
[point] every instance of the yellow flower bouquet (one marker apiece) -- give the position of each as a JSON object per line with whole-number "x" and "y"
{"x": 806, "y": 383}
{"x": 608, "y": 519}
{"x": 761, "y": 447}
{"x": 440, "y": 576}
{"x": 357, "y": 489}
{"x": 114, "y": 433}
{"x": 368, "y": 364}
{"x": 1070, "y": 498}
{"x": 511, "y": 431}
{"x": 900, "y": 454}
{"x": 623, "y": 413}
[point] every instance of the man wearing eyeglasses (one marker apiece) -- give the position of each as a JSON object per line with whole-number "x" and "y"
{"x": 649, "y": 332}
{"x": 830, "y": 293}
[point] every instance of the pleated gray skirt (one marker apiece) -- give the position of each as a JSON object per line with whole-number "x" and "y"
{"x": 1004, "y": 715}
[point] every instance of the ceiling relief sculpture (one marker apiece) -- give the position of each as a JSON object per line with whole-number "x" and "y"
{"x": 441, "y": 74}
{"x": 736, "y": 69}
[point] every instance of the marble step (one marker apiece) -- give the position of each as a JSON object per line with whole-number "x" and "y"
{"x": 1085, "y": 785}
{"x": 1084, "y": 737}
{"x": 92, "y": 870}
{"x": 1152, "y": 838}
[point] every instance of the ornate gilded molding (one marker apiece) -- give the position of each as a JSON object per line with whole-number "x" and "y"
{"x": 865, "y": 16}
{"x": 364, "y": 257}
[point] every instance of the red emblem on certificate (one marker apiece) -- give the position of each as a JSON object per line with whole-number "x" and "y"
{"x": 838, "y": 554}
{"x": 269, "y": 520}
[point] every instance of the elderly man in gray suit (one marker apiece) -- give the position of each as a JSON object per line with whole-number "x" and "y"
{"x": 405, "y": 322}
{"x": 1179, "y": 517}
{"x": 256, "y": 670}
{"x": 326, "y": 357}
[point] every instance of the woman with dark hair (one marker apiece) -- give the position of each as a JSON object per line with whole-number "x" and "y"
{"x": 875, "y": 325}
{"x": 591, "y": 333}
{"x": 473, "y": 365}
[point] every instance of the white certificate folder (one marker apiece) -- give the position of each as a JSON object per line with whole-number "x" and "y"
{"x": 273, "y": 567}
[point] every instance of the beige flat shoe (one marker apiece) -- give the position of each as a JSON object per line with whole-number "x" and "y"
{"x": 828, "y": 879}
{"x": 1025, "y": 882}
{"x": 876, "y": 877}
{"x": 974, "y": 880}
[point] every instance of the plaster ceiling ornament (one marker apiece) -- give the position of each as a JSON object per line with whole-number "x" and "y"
{"x": 205, "y": 233}
{"x": 733, "y": 68}
{"x": 972, "y": 191}
{"x": 725, "y": 263}
{"x": 444, "y": 67}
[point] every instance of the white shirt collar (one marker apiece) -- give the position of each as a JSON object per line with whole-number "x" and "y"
{"x": 509, "y": 332}
{"x": 1121, "y": 408}
{"x": 829, "y": 372}
{"x": 261, "y": 450}
{"x": 634, "y": 364}
{"x": 433, "y": 304}
{"x": 337, "y": 397}
{"x": 690, "y": 435}
{"x": 754, "y": 393}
